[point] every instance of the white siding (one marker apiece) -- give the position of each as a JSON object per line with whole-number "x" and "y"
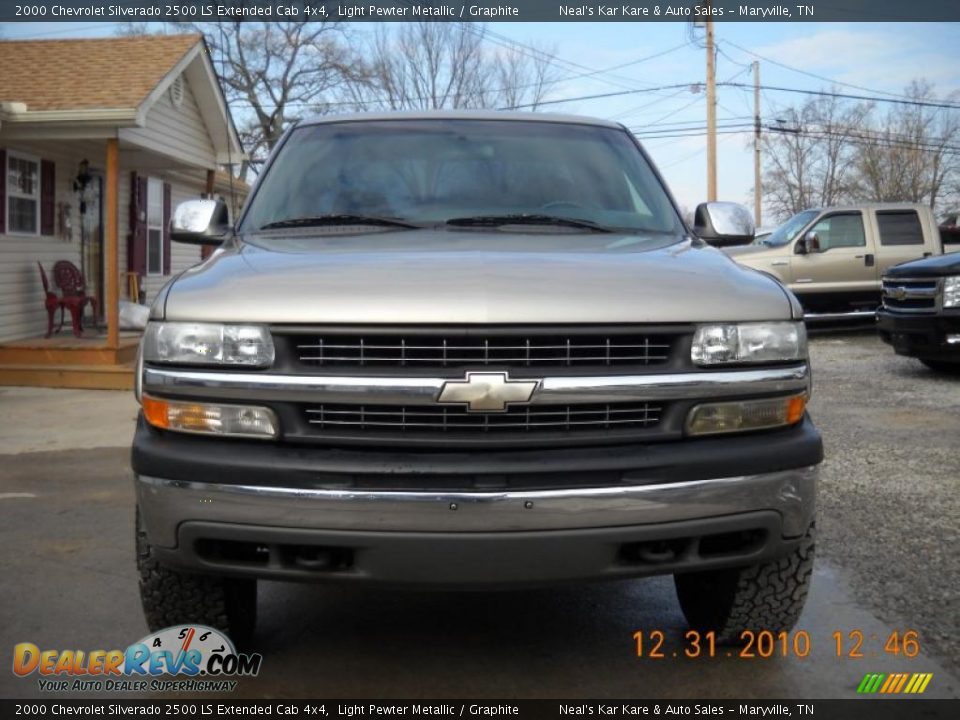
{"x": 175, "y": 131}
{"x": 22, "y": 312}
{"x": 182, "y": 256}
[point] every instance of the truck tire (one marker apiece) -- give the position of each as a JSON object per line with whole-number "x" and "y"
{"x": 942, "y": 366}
{"x": 768, "y": 596}
{"x": 171, "y": 597}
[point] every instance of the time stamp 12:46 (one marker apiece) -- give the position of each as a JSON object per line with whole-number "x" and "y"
{"x": 762, "y": 644}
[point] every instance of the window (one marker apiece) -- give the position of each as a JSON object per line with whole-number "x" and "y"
{"x": 429, "y": 171}
{"x": 154, "y": 227}
{"x": 840, "y": 231}
{"x": 900, "y": 228}
{"x": 23, "y": 194}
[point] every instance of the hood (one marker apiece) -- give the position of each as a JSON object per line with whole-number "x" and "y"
{"x": 739, "y": 251}
{"x": 471, "y": 277}
{"x": 935, "y": 266}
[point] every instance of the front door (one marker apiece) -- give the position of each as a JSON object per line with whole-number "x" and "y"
{"x": 845, "y": 261}
{"x": 91, "y": 240}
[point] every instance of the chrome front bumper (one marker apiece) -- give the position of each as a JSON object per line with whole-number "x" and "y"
{"x": 165, "y": 504}
{"x": 476, "y": 539}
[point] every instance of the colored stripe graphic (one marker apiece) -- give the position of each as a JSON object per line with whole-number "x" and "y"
{"x": 894, "y": 683}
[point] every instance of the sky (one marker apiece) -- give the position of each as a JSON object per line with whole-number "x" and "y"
{"x": 876, "y": 57}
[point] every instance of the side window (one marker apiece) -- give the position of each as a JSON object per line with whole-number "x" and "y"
{"x": 844, "y": 230}
{"x": 23, "y": 194}
{"x": 901, "y": 227}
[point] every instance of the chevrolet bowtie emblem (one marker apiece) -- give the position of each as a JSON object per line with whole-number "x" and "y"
{"x": 487, "y": 391}
{"x": 901, "y": 293}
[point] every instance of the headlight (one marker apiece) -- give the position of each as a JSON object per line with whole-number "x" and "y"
{"x": 759, "y": 342}
{"x": 208, "y": 344}
{"x": 951, "y": 291}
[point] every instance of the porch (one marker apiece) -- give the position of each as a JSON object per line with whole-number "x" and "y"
{"x": 65, "y": 361}
{"x": 90, "y": 166}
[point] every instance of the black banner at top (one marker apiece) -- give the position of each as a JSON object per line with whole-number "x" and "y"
{"x": 481, "y": 10}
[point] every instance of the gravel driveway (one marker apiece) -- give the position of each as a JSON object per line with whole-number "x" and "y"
{"x": 890, "y": 494}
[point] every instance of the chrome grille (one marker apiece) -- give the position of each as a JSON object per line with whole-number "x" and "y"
{"x": 424, "y": 351}
{"x": 525, "y": 418}
{"x": 910, "y": 295}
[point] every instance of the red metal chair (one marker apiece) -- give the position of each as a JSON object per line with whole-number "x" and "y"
{"x": 73, "y": 294}
{"x": 52, "y": 302}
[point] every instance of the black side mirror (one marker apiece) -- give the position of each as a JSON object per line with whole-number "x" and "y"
{"x": 809, "y": 243}
{"x": 200, "y": 222}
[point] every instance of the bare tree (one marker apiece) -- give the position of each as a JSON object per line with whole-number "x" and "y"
{"x": 432, "y": 65}
{"x": 809, "y": 161}
{"x": 829, "y": 151}
{"x": 914, "y": 155}
{"x": 275, "y": 72}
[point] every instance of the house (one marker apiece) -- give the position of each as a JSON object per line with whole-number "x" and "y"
{"x": 99, "y": 139}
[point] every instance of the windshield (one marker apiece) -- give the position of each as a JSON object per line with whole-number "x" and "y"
{"x": 788, "y": 231}
{"x": 428, "y": 172}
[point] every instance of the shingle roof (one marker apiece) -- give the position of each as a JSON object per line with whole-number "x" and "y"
{"x": 101, "y": 73}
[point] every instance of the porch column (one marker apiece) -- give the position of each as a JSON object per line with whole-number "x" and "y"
{"x": 112, "y": 245}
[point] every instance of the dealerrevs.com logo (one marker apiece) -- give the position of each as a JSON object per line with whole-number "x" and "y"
{"x": 204, "y": 655}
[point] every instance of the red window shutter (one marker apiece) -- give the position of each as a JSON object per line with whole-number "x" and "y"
{"x": 166, "y": 228}
{"x": 3, "y": 191}
{"x": 137, "y": 238}
{"x": 48, "y": 197}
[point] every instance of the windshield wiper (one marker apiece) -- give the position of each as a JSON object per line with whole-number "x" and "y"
{"x": 525, "y": 219}
{"x": 339, "y": 219}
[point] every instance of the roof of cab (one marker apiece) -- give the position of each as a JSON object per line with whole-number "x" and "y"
{"x": 871, "y": 206}
{"x": 462, "y": 115}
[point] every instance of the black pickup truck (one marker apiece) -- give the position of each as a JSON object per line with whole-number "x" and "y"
{"x": 920, "y": 316}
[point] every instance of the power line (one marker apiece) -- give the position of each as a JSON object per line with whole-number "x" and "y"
{"x": 815, "y": 75}
{"x": 700, "y": 133}
{"x": 823, "y": 93}
{"x": 504, "y": 41}
{"x": 730, "y": 123}
{"x": 692, "y": 155}
{"x": 846, "y": 135}
{"x": 636, "y": 110}
{"x": 598, "y": 96}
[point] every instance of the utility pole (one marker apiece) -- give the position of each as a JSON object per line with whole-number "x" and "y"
{"x": 757, "y": 210}
{"x": 711, "y": 111}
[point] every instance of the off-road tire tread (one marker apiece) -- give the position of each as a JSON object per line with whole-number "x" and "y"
{"x": 171, "y": 597}
{"x": 768, "y": 596}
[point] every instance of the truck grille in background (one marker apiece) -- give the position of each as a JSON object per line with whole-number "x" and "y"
{"x": 910, "y": 295}
{"x": 518, "y": 419}
{"x": 420, "y": 351}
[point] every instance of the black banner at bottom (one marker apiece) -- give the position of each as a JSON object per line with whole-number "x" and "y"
{"x": 854, "y": 709}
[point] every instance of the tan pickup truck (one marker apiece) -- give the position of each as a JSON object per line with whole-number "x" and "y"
{"x": 834, "y": 258}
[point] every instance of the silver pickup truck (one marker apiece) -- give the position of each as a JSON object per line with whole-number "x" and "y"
{"x": 471, "y": 350}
